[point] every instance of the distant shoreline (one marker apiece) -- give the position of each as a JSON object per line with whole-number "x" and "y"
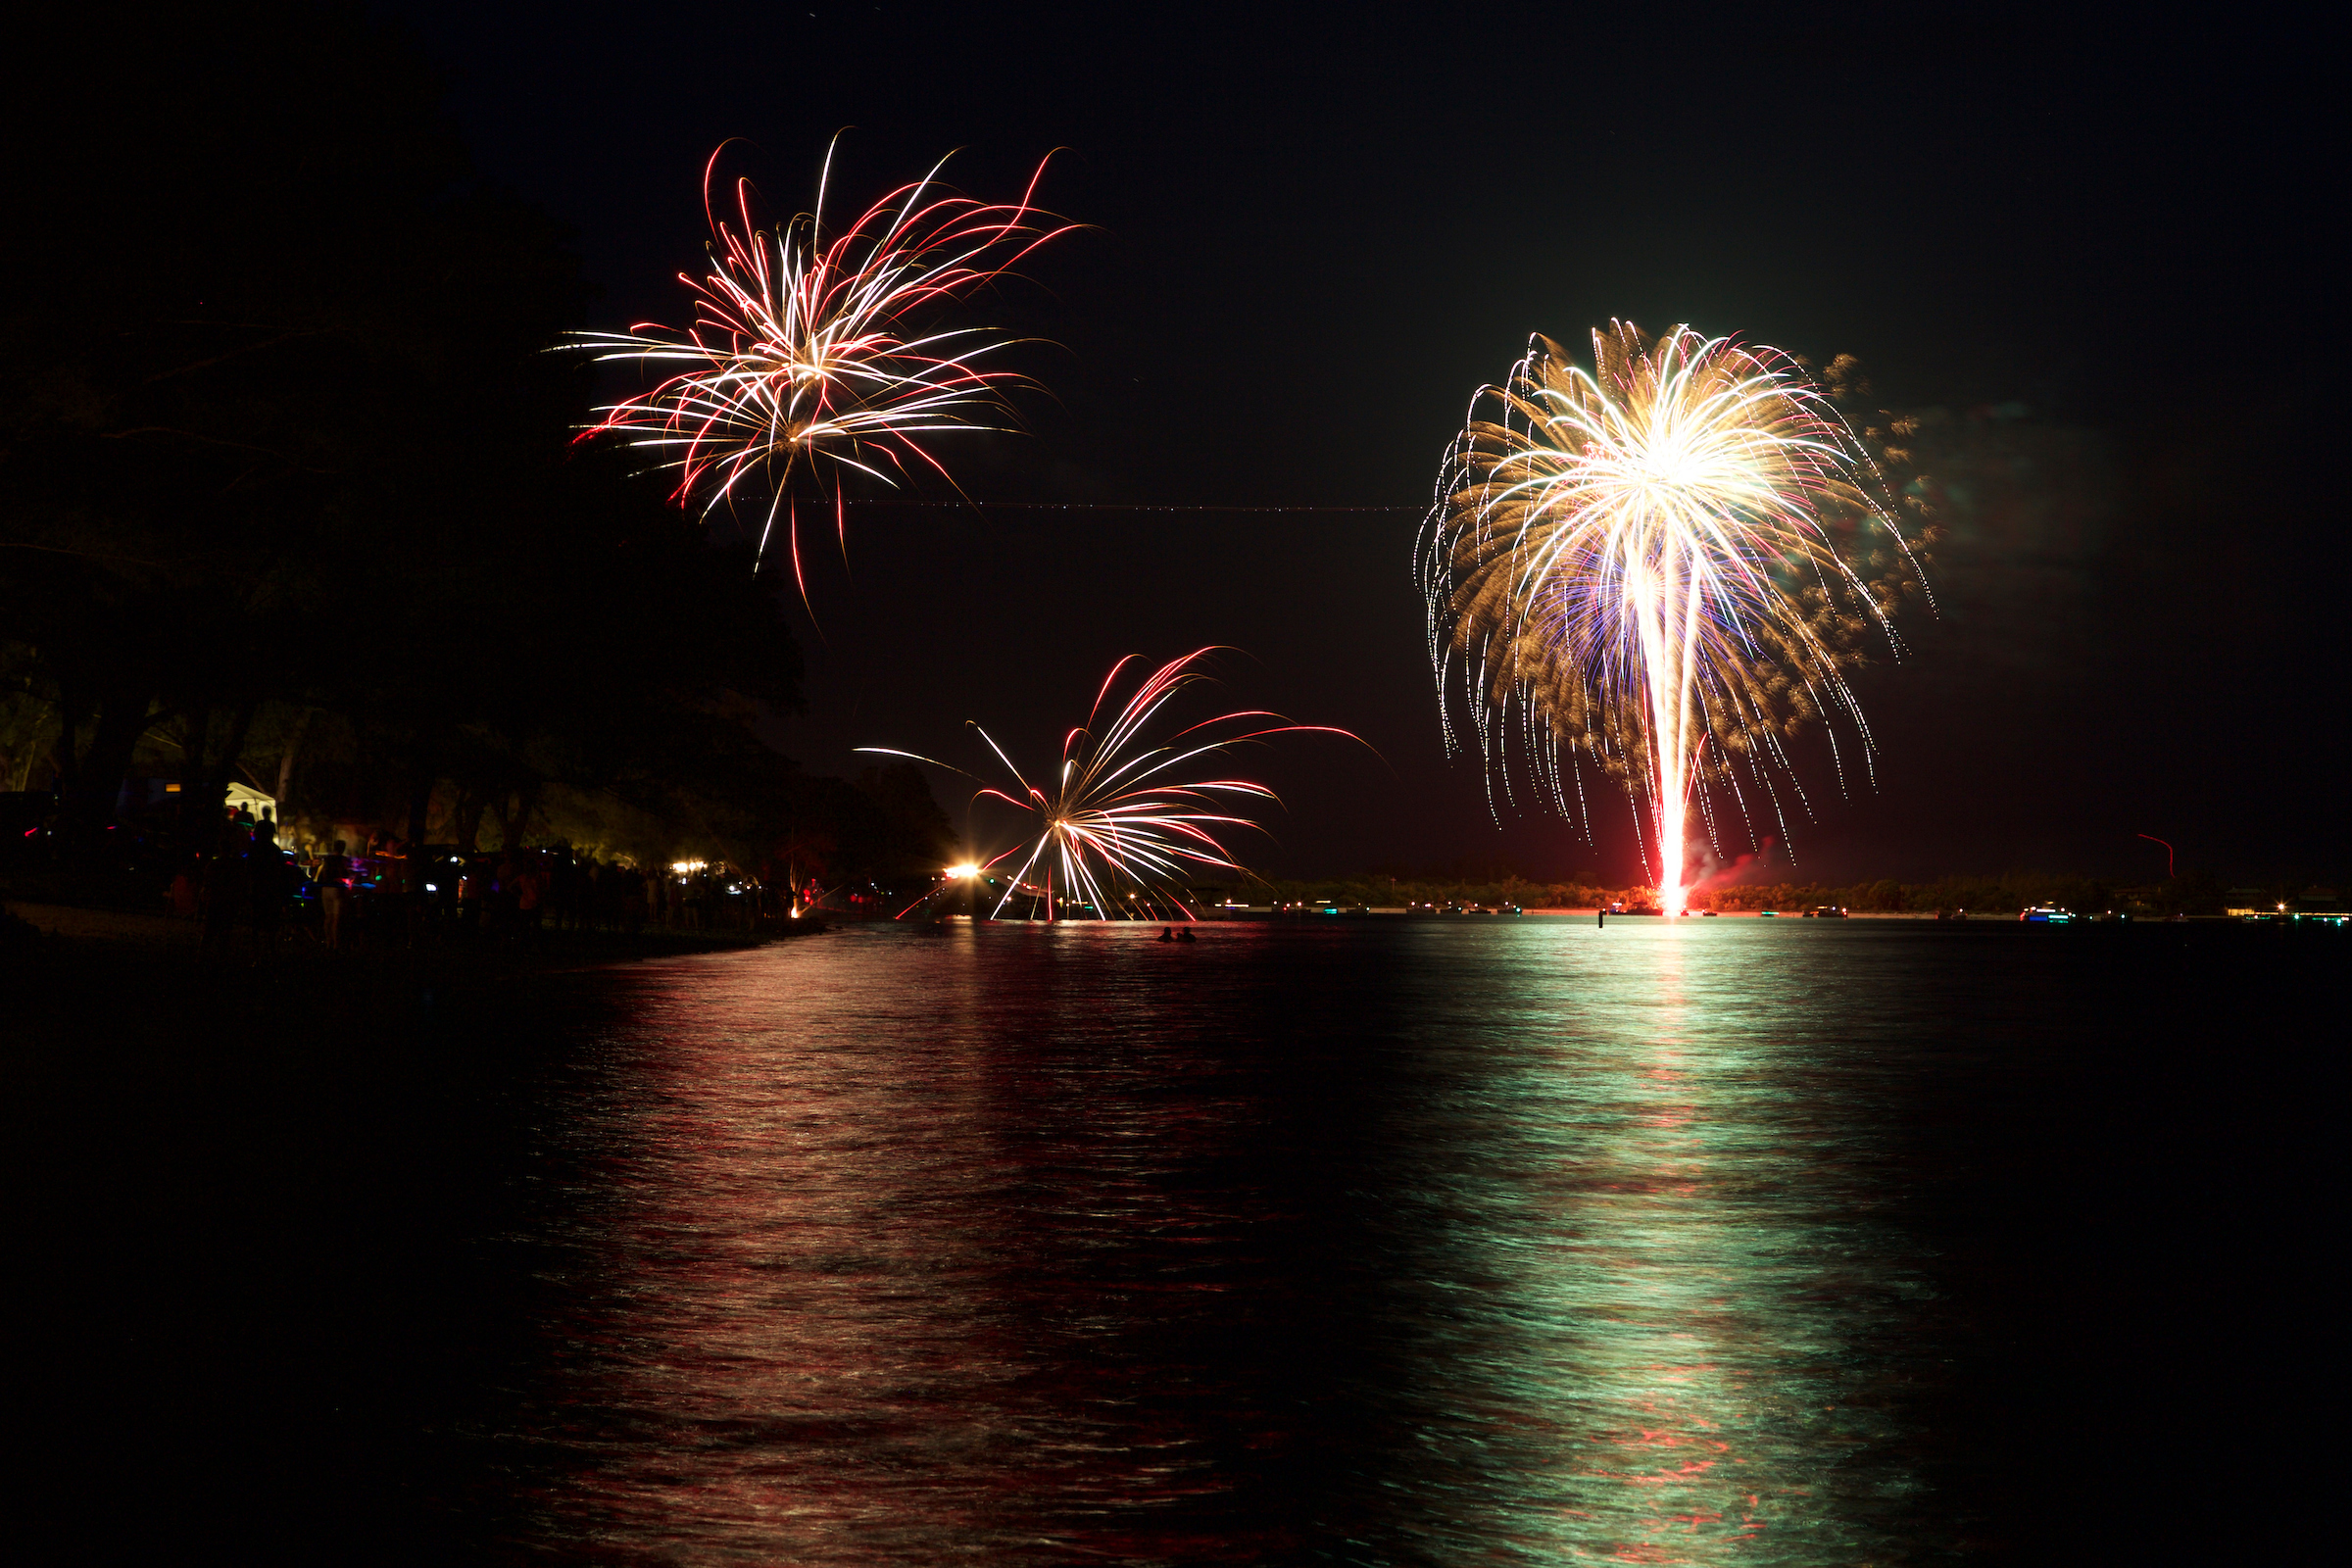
{"x": 133, "y": 937}
{"x": 1261, "y": 912}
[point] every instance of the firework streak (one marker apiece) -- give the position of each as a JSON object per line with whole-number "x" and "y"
{"x": 808, "y": 356}
{"x": 1639, "y": 564}
{"x": 1123, "y": 819}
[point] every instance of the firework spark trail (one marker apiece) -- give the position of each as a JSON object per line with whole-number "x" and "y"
{"x": 1638, "y": 562}
{"x": 804, "y": 357}
{"x": 1114, "y": 818}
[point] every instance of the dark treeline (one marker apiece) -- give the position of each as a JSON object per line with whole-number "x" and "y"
{"x": 290, "y": 494}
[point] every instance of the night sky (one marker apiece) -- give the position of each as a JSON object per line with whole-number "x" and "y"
{"x": 2095, "y": 244}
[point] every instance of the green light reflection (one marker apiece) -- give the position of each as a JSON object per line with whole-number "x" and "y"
{"x": 1655, "y": 1326}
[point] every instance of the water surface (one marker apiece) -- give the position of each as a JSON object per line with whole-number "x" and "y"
{"x": 1373, "y": 1242}
{"x": 1383, "y": 1243}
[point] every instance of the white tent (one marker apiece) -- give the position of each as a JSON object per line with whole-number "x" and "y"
{"x": 252, "y": 800}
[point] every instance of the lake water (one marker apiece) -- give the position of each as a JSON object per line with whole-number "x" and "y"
{"x": 1378, "y": 1242}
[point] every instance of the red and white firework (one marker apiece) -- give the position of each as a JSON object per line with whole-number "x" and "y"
{"x": 818, "y": 353}
{"x": 1124, "y": 823}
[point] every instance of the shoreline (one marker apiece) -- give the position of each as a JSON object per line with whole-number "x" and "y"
{"x": 1257, "y": 912}
{"x": 96, "y": 948}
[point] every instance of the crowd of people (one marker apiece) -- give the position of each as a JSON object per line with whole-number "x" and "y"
{"x": 345, "y": 896}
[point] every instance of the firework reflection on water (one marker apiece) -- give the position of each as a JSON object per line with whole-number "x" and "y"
{"x": 1030, "y": 1244}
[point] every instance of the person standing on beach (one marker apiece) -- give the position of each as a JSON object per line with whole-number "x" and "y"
{"x": 225, "y": 889}
{"x": 530, "y": 892}
{"x": 266, "y": 886}
{"x": 334, "y": 893}
{"x": 505, "y": 894}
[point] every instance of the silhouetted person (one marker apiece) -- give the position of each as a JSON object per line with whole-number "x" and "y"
{"x": 530, "y": 894}
{"x": 334, "y": 896}
{"x": 611, "y": 883}
{"x": 1185, "y": 935}
{"x": 506, "y": 894}
{"x": 561, "y": 894}
{"x": 1166, "y": 935}
{"x": 225, "y": 889}
{"x": 266, "y": 886}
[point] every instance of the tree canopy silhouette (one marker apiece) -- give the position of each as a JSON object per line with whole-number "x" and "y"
{"x": 280, "y": 438}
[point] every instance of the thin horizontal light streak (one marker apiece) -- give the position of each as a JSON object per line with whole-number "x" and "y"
{"x": 1107, "y": 505}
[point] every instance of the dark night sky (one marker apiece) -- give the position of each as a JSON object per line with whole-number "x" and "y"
{"x": 1314, "y": 238}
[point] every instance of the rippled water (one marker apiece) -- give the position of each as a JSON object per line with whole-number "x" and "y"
{"x": 1419, "y": 1243}
{"x": 1414, "y": 1242}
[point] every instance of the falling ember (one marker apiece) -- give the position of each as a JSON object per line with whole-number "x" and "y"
{"x": 1124, "y": 820}
{"x": 813, "y": 355}
{"x": 1637, "y": 563}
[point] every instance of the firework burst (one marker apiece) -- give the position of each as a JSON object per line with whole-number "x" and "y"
{"x": 1639, "y": 564}
{"x": 814, "y": 354}
{"x": 1124, "y": 817}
